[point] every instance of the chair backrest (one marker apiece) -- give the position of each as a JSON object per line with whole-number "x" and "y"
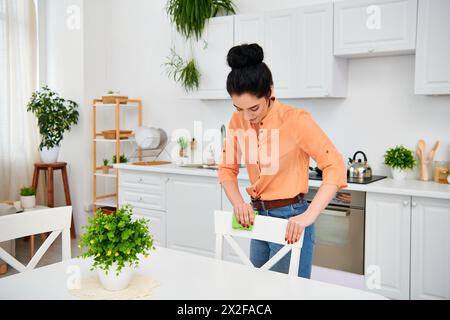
{"x": 264, "y": 228}
{"x": 55, "y": 220}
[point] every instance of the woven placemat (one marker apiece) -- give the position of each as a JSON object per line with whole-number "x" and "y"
{"x": 140, "y": 287}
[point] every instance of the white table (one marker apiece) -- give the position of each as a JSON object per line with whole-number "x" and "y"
{"x": 184, "y": 276}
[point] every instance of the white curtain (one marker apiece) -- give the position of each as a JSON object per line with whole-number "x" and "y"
{"x": 18, "y": 64}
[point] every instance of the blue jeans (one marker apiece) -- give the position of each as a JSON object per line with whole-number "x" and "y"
{"x": 262, "y": 251}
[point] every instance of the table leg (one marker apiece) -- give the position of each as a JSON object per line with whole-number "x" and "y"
{"x": 31, "y": 246}
{"x": 50, "y": 194}
{"x": 35, "y": 179}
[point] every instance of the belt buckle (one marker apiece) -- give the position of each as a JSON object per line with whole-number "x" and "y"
{"x": 258, "y": 200}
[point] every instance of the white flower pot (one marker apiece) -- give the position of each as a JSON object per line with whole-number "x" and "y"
{"x": 27, "y": 202}
{"x": 398, "y": 174}
{"x": 49, "y": 155}
{"x": 113, "y": 282}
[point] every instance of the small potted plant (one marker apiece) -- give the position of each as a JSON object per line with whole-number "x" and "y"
{"x": 55, "y": 115}
{"x": 116, "y": 243}
{"x": 122, "y": 159}
{"x": 399, "y": 159}
{"x": 105, "y": 167}
{"x": 27, "y": 198}
{"x": 183, "y": 143}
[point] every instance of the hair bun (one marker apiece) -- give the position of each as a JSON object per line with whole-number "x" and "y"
{"x": 245, "y": 55}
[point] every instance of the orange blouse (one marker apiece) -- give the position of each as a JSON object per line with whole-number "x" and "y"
{"x": 277, "y": 156}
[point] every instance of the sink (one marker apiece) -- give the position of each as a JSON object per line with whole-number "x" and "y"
{"x": 199, "y": 166}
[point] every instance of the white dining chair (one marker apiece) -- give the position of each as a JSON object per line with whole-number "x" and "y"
{"x": 264, "y": 228}
{"x": 54, "y": 220}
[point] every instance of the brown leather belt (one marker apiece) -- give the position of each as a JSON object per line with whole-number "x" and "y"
{"x": 259, "y": 204}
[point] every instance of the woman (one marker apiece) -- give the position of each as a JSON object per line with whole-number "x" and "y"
{"x": 276, "y": 142}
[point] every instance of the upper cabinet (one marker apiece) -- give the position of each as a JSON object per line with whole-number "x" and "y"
{"x": 249, "y": 28}
{"x": 433, "y": 48}
{"x": 320, "y": 73}
{"x": 374, "y": 27}
{"x": 281, "y": 50}
{"x": 298, "y": 49}
{"x": 210, "y": 54}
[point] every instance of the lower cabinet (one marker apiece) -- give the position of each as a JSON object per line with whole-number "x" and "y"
{"x": 156, "y": 224}
{"x": 191, "y": 202}
{"x": 408, "y": 246}
{"x": 430, "y": 249}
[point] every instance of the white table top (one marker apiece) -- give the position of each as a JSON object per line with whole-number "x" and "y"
{"x": 184, "y": 276}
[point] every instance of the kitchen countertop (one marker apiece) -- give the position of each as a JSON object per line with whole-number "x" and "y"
{"x": 409, "y": 187}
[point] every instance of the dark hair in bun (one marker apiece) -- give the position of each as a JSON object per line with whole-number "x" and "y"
{"x": 249, "y": 74}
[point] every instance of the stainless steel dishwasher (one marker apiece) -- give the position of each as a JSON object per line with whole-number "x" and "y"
{"x": 340, "y": 232}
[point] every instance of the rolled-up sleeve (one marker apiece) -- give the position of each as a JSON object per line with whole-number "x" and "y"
{"x": 229, "y": 164}
{"x": 314, "y": 141}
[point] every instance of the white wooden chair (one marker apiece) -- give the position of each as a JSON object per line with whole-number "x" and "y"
{"x": 56, "y": 220}
{"x": 264, "y": 228}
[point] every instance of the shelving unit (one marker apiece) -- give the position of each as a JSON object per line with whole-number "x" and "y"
{"x": 110, "y": 200}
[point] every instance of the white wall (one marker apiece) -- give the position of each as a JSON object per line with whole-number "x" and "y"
{"x": 123, "y": 44}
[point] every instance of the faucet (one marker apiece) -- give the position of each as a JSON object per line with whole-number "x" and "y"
{"x": 223, "y": 132}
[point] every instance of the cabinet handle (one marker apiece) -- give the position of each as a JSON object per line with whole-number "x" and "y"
{"x": 327, "y": 94}
{"x": 140, "y": 198}
{"x": 371, "y": 50}
{"x": 414, "y": 203}
{"x": 140, "y": 180}
{"x": 405, "y": 203}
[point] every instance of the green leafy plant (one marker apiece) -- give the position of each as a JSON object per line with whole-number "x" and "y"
{"x": 400, "y": 157}
{"x": 122, "y": 159}
{"x": 184, "y": 72}
{"x": 54, "y": 114}
{"x": 116, "y": 238}
{"x": 190, "y": 16}
{"x": 27, "y": 191}
{"x": 182, "y": 142}
{"x": 105, "y": 162}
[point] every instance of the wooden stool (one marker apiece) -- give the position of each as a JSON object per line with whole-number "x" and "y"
{"x": 50, "y": 168}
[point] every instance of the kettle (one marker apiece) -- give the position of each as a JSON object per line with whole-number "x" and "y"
{"x": 358, "y": 169}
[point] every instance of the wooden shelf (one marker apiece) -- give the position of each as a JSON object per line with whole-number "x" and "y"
{"x": 110, "y": 200}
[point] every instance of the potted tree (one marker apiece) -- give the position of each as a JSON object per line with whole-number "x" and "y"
{"x": 116, "y": 242}
{"x": 27, "y": 198}
{"x": 399, "y": 159}
{"x": 55, "y": 115}
{"x": 105, "y": 167}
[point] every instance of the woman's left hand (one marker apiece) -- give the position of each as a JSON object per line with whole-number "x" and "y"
{"x": 296, "y": 225}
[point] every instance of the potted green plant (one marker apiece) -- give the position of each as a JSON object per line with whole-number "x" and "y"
{"x": 105, "y": 167}
{"x": 183, "y": 143}
{"x": 116, "y": 243}
{"x": 55, "y": 115}
{"x": 27, "y": 198}
{"x": 122, "y": 159}
{"x": 399, "y": 159}
{"x": 184, "y": 72}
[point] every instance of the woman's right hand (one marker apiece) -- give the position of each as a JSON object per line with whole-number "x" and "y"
{"x": 245, "y": 214}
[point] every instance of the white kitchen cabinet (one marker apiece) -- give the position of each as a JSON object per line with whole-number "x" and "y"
{"x": 191, "y": 202}
{"x": 430, "y": 248}
{"x": 228, "y": 253}
{"x": 157, "y": 224}
{"x": 433, "y": 48}
{"x": 320, "y": 73}
{"x": 249, "y": 28}
{"x": 374, "y": 27}
{"x": 387, "y": 244}
{"x": 210, "y": 54}
{"x": 281, "y": 50}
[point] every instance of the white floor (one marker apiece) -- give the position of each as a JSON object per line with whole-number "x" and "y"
{"x": 52, "y": 255}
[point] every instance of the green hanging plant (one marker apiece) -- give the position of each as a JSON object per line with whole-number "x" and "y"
{"x": 184, "y": 72}
{"x": 190, "y": 16}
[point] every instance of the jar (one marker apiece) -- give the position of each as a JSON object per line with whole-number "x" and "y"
{"x": 440, "y": 171}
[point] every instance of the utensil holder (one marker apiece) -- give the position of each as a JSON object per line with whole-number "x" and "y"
{"x": 425, "y": 173}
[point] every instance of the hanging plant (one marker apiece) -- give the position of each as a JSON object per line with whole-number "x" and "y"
{"x": 184, "y": 72}
{"x": 190, "y": 16}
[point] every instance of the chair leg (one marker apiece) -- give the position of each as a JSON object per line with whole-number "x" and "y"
{"x": 68, "y": 200}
